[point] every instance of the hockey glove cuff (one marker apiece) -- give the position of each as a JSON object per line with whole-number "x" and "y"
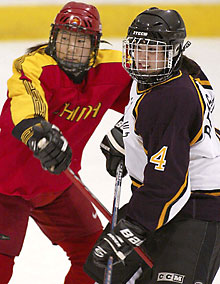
{"x": 119, "y": 243}
{"x": 48, "y": 145}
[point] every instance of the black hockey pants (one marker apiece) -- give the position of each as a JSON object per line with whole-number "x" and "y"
{"x": 183, "y": 251}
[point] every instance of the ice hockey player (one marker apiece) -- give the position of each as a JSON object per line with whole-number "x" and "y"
{"x": 57, "y": 95}
{"x": 172, "y": 154}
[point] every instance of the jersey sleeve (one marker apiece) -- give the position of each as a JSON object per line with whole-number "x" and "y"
{"x": 25, "y": 89}
{"x": 123, "y": 95}
{"x": 168, "y": 121}
{"x": 116, "y": 76}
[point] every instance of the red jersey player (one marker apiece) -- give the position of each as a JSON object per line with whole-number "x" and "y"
{"x": 66, "y": 85}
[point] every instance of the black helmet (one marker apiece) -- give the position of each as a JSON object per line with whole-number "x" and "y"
{"x": 163, "y": 29}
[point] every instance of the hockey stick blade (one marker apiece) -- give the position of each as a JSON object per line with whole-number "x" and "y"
{"x": 91, "y": 197}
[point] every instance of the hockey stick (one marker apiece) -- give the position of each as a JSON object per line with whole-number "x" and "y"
{"x": 88, "y": 194}
{"x": 79, "y": 184}
{"x": 115, "y": 208}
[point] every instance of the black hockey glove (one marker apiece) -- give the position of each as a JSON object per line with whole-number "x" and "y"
{"x": 112, "y": 147}
{"x": 119, "y": 243}
{"x": 50, "y": 147}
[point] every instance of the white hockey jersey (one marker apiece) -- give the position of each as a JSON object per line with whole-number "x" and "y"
{"x": 172, "y": 151}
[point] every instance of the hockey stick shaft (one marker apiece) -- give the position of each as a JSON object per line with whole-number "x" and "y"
{"x": 88, "y": 194}
{"x": 117, "y": 194}
{"x": 115, "y": 208}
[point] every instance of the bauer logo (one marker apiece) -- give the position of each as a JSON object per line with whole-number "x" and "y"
{"x": 171, "y": 277}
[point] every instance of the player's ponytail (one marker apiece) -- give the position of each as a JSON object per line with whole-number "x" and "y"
{"x": 189, "y": 66}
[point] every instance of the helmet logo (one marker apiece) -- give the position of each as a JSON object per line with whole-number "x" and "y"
{"x": 140, "y": 33}
{"x": 76, "y": 21}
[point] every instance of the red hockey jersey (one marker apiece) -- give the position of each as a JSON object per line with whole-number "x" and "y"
{"x": 38, "y": 87}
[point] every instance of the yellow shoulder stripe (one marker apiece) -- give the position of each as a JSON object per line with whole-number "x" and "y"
{"x": 203, "y": 82}
{"x": 108, "y": 56}
{"x": 27, "y": 95}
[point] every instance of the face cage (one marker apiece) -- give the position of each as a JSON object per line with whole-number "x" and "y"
{"x": 67, "y": 57}
{"x": 147, "y": 61}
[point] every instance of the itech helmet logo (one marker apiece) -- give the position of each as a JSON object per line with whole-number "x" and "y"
{"x": 140, "y": 33}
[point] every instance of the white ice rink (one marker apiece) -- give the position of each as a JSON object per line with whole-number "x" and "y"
{"x": 40, "y": 262}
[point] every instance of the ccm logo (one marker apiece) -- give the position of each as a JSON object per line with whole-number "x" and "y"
{"x": 172, "y": 277}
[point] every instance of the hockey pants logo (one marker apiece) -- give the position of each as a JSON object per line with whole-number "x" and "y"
{"x": 171, "y": 277}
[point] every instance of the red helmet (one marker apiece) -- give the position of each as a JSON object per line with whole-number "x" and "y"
{"x": 79, "y": 15}
{"x": 79, "y": 18}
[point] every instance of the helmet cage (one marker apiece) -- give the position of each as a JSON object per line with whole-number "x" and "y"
{"x": 66, "y": 63}
{"x": 149, "y": 61}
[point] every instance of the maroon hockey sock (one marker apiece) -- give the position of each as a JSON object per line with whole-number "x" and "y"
{"x": 6, "y": 268}
{"x": 78, "y": 250}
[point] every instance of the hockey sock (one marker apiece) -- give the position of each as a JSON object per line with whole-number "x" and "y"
{"x": 78, "y": 249}
{"x": 6, "y": 268}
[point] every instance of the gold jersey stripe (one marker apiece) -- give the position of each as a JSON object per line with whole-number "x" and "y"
{"x": 26, "y": 135}
{"x": 39, "y": 105}
{"x": 213, "y": 194}
{"x": 18, "y": 63}
{"x": 207, "y": 193}
{"x": 148, "y": 90}
{"x": 137, "y": 184}
{"x": 25, "y": 90}
{"x": 217, "y": 135}
{"x": 195, "y": 139}
{"x": 145, "y": 92}
{"x": 169, "y": 203}
{"x": 108, "y": 56}
{"x": 203, "y": 82}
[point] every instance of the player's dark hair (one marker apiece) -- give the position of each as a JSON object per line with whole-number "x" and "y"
{"x": 35, "y": 47}
{"x": 189, "y": 66}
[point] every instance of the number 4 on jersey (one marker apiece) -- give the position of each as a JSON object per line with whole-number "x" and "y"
{"x": 159, "y": 159}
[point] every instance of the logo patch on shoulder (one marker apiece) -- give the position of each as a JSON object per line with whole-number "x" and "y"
{"x": 171, "y": 277}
